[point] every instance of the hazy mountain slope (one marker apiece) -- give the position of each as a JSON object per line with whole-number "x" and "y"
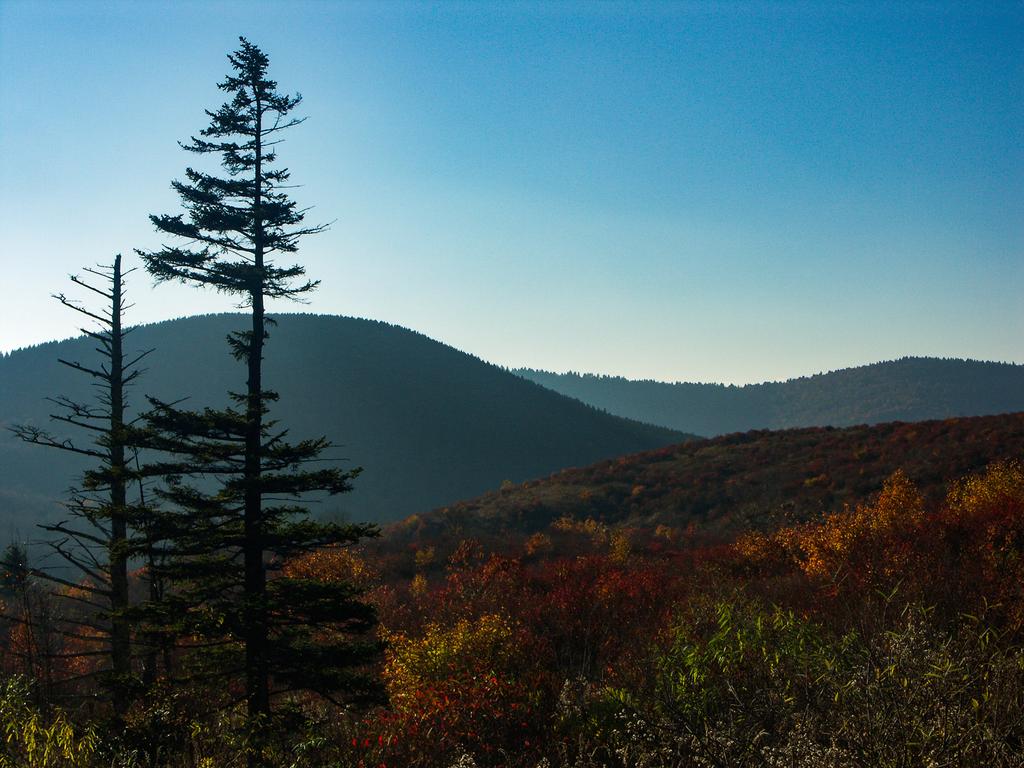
{"x": 729, "y": 483}
{"x": 428, "y": 423}
{"x": 910, "y": 389}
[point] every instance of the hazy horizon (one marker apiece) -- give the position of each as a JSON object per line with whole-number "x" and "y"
{"x": 672, "y": 191}
{"x": 562, "y": 371}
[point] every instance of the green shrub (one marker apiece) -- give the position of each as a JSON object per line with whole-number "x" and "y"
{"x": 34, "y": 740}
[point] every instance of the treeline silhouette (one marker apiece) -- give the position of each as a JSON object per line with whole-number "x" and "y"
{"x": 908, "y": 389}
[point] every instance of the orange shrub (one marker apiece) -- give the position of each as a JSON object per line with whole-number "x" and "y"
{"x": 967, "y": 553}
{"x": 332, "y": 564}
{"x": 872, "y": 543}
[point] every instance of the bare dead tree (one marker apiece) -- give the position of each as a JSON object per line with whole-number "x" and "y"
{"x": 95, "y": 539}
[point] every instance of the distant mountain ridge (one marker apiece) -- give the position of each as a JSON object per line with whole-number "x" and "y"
{"x": 908, "y": 389}
{"x": 427, "y": 422}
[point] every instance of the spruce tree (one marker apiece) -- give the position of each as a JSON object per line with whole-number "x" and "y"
{"x": 233, "y": 513}
{"x": 96, "y": 540}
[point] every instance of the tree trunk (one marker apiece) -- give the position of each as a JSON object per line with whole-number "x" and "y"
{"x": 256, "y": 664}
{"x": 120, "y": 632}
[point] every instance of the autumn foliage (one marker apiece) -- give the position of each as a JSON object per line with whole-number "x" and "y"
{"x": 964, "y": 552}
{"x": 614, "y": 644}
{"x": 889, "y": 632}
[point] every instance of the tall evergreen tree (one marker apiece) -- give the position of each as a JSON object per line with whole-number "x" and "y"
{"x": 96, "y": 540}
{"x": 224, "y": 543}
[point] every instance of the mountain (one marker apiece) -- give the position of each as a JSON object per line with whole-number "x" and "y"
{"x": 719, "y": 486}
{"x": 426, "y": 422}
{"x": 910, "y": 389}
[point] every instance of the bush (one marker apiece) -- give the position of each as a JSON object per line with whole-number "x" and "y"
{"x": 34, "y": 740}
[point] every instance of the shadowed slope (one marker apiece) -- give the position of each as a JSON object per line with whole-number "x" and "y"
{"x": 428, "y": 423}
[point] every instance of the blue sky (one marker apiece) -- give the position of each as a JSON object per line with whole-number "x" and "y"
{"x": 680, "y": 191}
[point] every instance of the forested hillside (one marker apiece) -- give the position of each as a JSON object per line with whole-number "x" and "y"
{"x": 716, "y": 488}
{"x": 428, "y": 423}
{"x": 909, "y": 389}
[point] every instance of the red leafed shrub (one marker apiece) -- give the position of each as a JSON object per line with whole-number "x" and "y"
{"x": 980, "y": 532}
{"x": 599, "y": 614}
{"x": 466, "y": 688}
